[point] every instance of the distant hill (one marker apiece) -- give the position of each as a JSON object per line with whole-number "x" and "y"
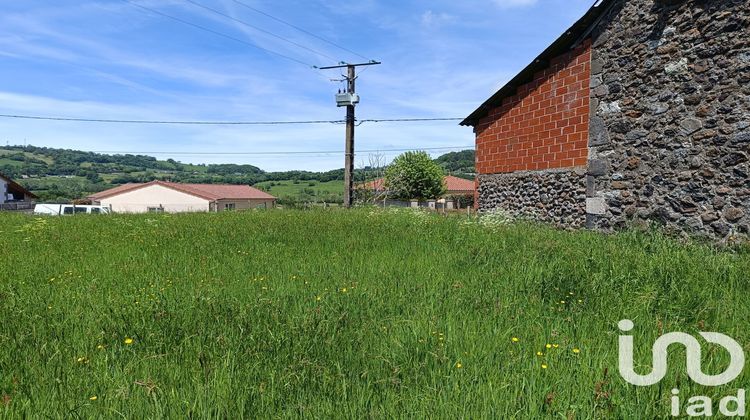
{"x": 458, "y": 163}
{"x": 61, "y": 175}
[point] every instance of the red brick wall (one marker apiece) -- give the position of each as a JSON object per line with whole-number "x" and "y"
{"x": 545, "y": 124}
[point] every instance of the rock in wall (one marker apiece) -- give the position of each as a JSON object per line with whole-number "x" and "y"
{"x": 669, "y": 131}
{"x": 556, "y": 196}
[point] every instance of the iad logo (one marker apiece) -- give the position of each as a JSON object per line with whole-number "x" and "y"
{"x": 693, "y": 350}
{"x": 699, "y": 405}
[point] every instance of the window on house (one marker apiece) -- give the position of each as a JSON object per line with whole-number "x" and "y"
{"x": 156, "y": 209}
{"x": 229, "y": 206}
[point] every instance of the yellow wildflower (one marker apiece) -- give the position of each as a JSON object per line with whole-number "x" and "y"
{"x": 459, "y": 365}
{"x": 544, "y": 366}
{"x": 93, "y": 398}
{"x": 514, "y": 339}
{"x": 539, "y": 353}
{"x": 128, "y": 340}
{"x": 576, "y": 350}
{"x": 549, "y": 346}
{"x": 555, "y": 345}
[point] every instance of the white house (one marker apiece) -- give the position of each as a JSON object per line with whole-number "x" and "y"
{"x": 170, "y": 197}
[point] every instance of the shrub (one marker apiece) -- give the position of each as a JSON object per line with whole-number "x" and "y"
{"x": 414, "y": 175}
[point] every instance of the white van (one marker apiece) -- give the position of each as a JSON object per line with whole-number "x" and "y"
{"x": 66, "y": 209}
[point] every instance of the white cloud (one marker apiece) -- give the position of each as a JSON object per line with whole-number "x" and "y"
{"x": 432, "y": 19}
{"x": 440, "y": 59}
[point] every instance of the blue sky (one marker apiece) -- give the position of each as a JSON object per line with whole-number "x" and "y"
{"x": 109, "y": 59}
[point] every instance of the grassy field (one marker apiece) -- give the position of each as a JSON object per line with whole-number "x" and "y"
{"x": 305, "y": 190}
{"x": 27, "y": 154}
{"x": 336, "y": 314}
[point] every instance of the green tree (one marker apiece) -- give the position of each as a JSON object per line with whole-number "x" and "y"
{"x": 458, "y": 162}
{"x": 414, "y": 175}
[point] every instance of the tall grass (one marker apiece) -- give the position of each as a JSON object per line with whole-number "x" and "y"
{"x": 347, "y": 314}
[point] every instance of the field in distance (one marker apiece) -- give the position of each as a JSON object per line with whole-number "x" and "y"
{"x": 305, "y": 191}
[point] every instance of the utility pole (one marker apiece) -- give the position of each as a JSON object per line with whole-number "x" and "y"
{"x": 349, "y": 99}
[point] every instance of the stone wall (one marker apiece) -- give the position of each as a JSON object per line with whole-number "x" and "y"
{"x": 670, "y": 116}
{"x": 556, "y": 196}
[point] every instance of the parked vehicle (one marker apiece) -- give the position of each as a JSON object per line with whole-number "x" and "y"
{"x": 69, "y": 209}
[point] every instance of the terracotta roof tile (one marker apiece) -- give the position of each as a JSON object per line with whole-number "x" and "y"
{"x": 225, "y": 191}
{"x": 456, "y": 184}
{"x": 207, "y": 191}
{"x": 114, "y": 191}
{"x": 453, "y": 185}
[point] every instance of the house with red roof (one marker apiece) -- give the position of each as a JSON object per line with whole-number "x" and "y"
{"x": 454, "y": 186}
{"x": 171, "y": 197}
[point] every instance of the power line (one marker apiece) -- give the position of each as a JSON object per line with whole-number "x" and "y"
{"x": 287, "y": 152}
{"x": 166, "y": 122}
{"x": 113, "y": 121}
{"x": 223, "y": 35}
{"x": 259, "y": 29}
{"x": 300, "y": 29}
{"x": 408, "y": 120}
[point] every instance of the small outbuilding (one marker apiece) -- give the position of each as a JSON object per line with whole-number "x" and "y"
{"x": 171, "y": 197}
{"x": 13, "y": 196}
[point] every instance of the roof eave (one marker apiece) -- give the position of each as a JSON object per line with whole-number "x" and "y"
{"x": 567, "y": 41}
{"x": 176, "y": 187}
{"x": 18, "y": 186}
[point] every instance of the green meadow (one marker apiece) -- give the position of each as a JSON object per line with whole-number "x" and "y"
{"x": 305, "y": 191}
{"x": 349, "y": 314}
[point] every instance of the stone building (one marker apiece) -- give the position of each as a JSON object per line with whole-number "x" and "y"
{"x": 639, "y": 112}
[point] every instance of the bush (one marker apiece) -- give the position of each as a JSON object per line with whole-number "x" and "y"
{"x": 414, "y": 175}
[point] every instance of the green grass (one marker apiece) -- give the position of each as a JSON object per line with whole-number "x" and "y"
{"x": 302, "y": 190}
{"x": 45, "y": 182}
{"x": 10, "y": 162}
{"x": 336, "y": 314}
{"x": 44, "y": 158}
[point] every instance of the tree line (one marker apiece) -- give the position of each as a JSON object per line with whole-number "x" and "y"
{"x": 44, "y": 171}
